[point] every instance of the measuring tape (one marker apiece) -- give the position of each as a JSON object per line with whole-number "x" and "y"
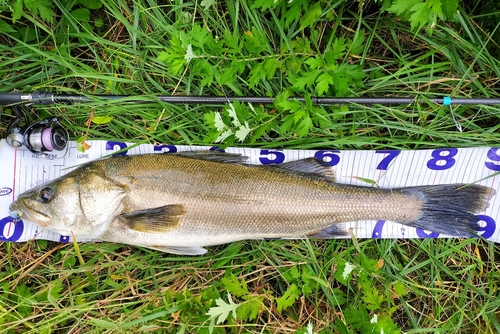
{"x": 23, "y": 170}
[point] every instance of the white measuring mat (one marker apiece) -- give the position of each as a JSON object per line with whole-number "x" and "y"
{"x": 22, "y": 170}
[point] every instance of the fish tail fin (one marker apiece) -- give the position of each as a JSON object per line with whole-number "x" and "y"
{"x": 450, "y": 209}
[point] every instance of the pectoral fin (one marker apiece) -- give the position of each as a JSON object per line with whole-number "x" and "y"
{"x": 179, "y": 250}
{"x": 156, "y": 220}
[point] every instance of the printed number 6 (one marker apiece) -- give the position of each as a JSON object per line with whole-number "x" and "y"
{"x": 328, "y": 156}
{"x": 271, "y": 157}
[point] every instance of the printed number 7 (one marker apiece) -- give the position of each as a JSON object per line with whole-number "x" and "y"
{"x": 386, "y": 161}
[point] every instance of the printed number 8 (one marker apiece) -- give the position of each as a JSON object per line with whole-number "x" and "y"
{"x": 444, "y": 155}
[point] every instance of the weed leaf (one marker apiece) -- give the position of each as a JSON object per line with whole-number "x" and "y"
{"x": 222, "y": 310}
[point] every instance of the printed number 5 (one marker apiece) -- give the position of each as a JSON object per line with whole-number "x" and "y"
{"x": 271, "y": 157}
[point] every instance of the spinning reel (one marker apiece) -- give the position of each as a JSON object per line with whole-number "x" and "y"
{"x": 39, "y": 137}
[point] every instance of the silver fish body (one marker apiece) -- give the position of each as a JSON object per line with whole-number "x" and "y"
{"x": 180, "y": 203}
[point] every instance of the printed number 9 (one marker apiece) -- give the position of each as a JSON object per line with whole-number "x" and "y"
{"x": 165, "y": 148}
{"x": 493, "y": 155}
{"x": 489, "y": 226}
{"x": 112, "y": 145}
{"x": 442, "y": 159}
{"x": 328, "y": 156}
{"x": 422, "y": 234}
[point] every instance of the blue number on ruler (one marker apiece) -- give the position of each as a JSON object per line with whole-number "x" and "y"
{"x": 391, "y": 155}
{"x": 489, "y": 228}
{"x": 493, "y": 155}
{"x": 422, "y": 234}
{"x": 377, "y": 230}
{"x": 217, "y": 148}
{"x": 111, "y": 145}
{"x": 328, "y": 156}
{"x": 446, "y": 155}
{"x": 10, "y": 231}
{"x": 64, "y": 238}
{"x": 165, "y": 148}
{"x": 271, "y": 157}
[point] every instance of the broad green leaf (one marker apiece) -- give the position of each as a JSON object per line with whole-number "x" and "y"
{"x": 304, "y": 127}
{"x": 399, "y": 288}
{"x": 81, "y": 14}
{"x": 257, "y": 73}
{"x": 357, "y": 43}
{"x": 287, "y": 300}
{"x": 224, "y": 135}
{"x": 311, "y": 16}
{"x": 232, "y": 113}
{"x": 233, "y": 285}
{"x": 219, "y": 123}
{"x": 315, "y": 62}
{"x": 101, "y": 119}
{"x": 251, "y": 308}
{"x": 189, "y": 54}
{"x": 242, "y": 132}
{"x": 306, "y": 80}
{"x": 206, "y": 4}
{"x": 323, "y": 82}
{"x": 264, "y": 4}
{"x": 450, "y": 8}
{"x": 372, "y": 298}
{"x": 400, "y": 7}
{"x": 17, "y": 10}
{"x": 222, "y": 310}
{"x": 5, "y": 27}
{"x": 91, "y": 4}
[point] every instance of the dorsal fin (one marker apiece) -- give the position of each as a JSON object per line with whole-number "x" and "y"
{"x": 215, "y": 156}
{"x": 309, "y": 166}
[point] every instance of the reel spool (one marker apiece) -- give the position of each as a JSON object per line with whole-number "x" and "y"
{"x": 39, "y": 137}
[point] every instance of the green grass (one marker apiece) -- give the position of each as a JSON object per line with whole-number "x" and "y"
{"x": 138, "y": 47}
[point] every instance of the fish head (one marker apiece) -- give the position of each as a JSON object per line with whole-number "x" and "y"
{"x": 81, "y": 204}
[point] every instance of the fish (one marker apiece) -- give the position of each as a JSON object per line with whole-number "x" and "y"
{"x": 181, "y": 203}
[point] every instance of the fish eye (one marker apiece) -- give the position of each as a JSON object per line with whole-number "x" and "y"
{"x": 46, "y": 195}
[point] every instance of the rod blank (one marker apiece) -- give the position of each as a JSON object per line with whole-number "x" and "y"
{"x": 45, "y": 98}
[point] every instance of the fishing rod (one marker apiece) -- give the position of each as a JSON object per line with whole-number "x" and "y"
{"x": 47, "y": 98}
{"x": 48, "y": 135}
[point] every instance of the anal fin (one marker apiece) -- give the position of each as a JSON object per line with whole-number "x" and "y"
{"x": 179, "y": 250}
{"x": 162, "y": 219}
{"x": 329, "y": 232}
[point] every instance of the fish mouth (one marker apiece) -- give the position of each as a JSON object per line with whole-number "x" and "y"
{"x": 22, "y": 213}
